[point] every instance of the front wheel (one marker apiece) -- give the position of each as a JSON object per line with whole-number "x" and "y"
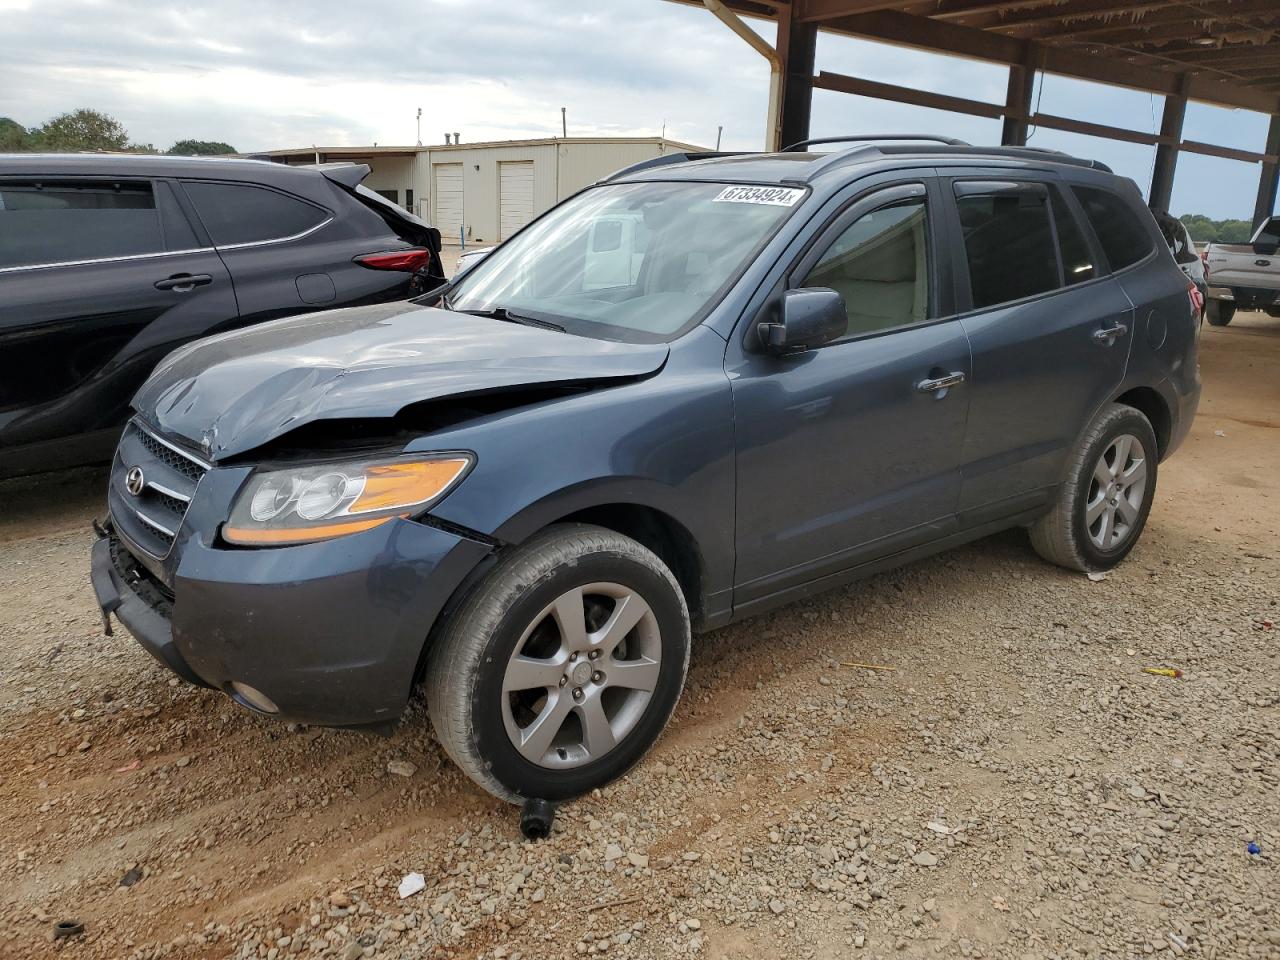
{"x": 1219, "y": 313}
{"x": 1103, "y": 503}
{"x": 562, "y": 667}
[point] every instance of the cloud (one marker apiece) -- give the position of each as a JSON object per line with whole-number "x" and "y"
{"x": 262, "y": 75}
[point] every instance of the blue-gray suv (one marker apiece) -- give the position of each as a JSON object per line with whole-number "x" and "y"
{"x": 704, "y": 387}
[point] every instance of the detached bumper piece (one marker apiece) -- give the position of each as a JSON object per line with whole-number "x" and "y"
{"x": 120, "y": 587}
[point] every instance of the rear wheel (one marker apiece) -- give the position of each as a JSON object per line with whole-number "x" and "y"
{"x": 562, "y": 668}
{"x": 1220, "y": 312}
{"x": 1103, "y": 503}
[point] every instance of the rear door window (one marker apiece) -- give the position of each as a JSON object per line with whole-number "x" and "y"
{"x": 45, "y": 222}
{"x": 1121, "y": 234}
{"x": 236, "y": 213}
{"x": 1008, "y": 241}
{"x": 1077, "y": 258}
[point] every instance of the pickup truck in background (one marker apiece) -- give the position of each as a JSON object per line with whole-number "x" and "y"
{"x": 1244, "y": 275}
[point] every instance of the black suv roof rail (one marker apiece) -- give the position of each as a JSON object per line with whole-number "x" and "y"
{"x": 872, "y": 137}
{"x": 669, "y": 158}
{"x": 1020, "y": 153}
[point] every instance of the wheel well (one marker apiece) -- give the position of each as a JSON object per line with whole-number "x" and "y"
{"x": 665, "y": 536}
{"x": 1154, "y": 408}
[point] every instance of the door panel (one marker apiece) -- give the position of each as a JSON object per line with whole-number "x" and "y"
{"x": 841, "y": 458}
{"x": 844, "y": 454}
{"x": 1042, "y": 364}
{"x": 78, "y": 338}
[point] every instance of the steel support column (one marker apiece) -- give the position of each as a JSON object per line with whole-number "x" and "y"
{"x": 797, "y": 46}
{"x": 1269, "y": 182}
{"x": 1017, "y": 100}
{"x": 1162, "y": 174}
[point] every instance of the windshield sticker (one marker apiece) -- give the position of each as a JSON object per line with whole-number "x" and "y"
{"x": 773, "y": 196}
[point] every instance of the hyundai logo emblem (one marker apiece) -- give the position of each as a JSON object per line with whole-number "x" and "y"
{"x": 134, "y": 481}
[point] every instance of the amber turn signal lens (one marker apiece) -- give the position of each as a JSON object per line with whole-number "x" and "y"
{"x": 404, "y": 484}
{"x": 280, "y": 537}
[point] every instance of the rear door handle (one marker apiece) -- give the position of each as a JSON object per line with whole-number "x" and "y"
{"x": 182, "y": 282}
{"x": 1108, "y": 336}
{"x": 940, "y": 384}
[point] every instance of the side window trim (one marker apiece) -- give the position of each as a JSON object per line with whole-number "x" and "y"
{"x": 327, "y": 219}
{"x": 150, "y": 182}
{"x": 963, "y": 290}
{"x": 878, "y": 198}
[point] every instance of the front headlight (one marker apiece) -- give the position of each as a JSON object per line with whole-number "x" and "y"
{"x": 305, "y": 504}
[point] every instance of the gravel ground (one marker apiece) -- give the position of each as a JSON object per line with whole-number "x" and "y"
{"x": 1015, "y": 787}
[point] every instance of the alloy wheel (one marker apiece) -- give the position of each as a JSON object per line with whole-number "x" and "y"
{"x": 1116, "y": 490}
{"x": 581, "y": 676}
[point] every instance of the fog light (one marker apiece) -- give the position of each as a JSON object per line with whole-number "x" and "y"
{"x": 255, "y": 700}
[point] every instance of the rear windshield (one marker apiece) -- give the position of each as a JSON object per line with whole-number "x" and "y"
{"x": 632, "y": 261}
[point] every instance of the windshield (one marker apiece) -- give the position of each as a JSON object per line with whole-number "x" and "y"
{"x": 634, "y": 261}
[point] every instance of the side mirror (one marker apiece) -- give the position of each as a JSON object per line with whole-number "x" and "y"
{"x": 1265, "y": 249}
{"x": 808, "y": 317}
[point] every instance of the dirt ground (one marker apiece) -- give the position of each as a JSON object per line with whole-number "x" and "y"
{"x": 1016, "y": 787}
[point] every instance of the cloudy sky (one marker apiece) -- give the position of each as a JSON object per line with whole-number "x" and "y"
{"x": 261, "y": 74}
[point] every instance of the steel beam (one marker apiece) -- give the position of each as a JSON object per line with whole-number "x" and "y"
{"x": 1162, "y": 174}
{"x": 1017, "y": 100}
{"x": 1269, "y": 180}
{"x": 797, "y": 45}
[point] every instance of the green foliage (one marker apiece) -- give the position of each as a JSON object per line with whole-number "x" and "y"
{"x": 1207, "y": 230}
{"x": 14, "y": 137}
{"x": 200, "y": 148}
{"x": 81, "y": 129}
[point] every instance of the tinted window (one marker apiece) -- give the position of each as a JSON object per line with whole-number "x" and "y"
{"x": 879, "y": 265}
{"x": 57, "y": 222}
{"x": 1008, "y": 243}
{"x": 241, "y": 213}
{"x": 1124, "y": 239}
{"x": 1077, "y": 260}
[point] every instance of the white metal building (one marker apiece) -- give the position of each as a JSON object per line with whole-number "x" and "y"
{"x": 484, "y": 192}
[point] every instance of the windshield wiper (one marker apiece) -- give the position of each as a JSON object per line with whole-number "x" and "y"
{"x": 507, "y": 315}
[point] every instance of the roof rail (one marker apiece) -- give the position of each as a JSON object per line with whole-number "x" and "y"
{"x": 1022, "y": 153}
{"x": 871, "y": 137}
{"x": 665, "y": 160}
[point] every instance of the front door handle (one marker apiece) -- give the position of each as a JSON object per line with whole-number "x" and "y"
{"x": 1108, "y": 336}
{"x": 183, "y": 282}
{"x": 941, "y": 384}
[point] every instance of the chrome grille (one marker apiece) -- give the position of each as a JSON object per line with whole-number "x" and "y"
{"x": 149, "y": 518}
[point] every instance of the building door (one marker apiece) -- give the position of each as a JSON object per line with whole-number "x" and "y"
{"x": 449, "y": 202}
{"x": 515, "y": 196}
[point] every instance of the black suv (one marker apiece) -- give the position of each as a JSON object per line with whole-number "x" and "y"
{"x": 688, "y": 394}
{"x": 109, "y": 262}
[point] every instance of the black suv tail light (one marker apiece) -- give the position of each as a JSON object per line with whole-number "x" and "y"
{"x": 406, "y": 261}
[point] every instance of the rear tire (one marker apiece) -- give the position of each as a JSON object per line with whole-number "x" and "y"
{"x": 1103, "y": 503}
{"x": 562, "y": 667}
{"x": 1219, "y": 312}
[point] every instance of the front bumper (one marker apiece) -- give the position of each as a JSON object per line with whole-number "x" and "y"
{"x": 331, "y": 633}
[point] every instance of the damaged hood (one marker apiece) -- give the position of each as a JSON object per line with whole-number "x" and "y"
{"x": 236, "y": 391}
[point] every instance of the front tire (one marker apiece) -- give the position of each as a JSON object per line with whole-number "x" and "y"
{"x": 1103, "y": 503}
{"x": 562, "y": 667}
{"x": 1219, "y": 313}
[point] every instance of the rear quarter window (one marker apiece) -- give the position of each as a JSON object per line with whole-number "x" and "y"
{"x": 1123, "y": 237}
{"x": 236, "y": 213}
{"x": 51, "y": 222}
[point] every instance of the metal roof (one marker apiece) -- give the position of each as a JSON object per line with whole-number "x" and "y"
{"x": 378, "y": 151}
{"x": 1224, "y": 52}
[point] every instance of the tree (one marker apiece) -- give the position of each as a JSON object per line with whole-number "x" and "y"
{"x": 14, "y": 137}
{"x": 1207, "y": 230}
{"x": 200, "y": 148}
{"x": 81, "y": 129}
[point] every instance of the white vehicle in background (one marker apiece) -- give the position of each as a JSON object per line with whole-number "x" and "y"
{"x": 469, "y": 259}
{"x": 1244, "y": 275}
